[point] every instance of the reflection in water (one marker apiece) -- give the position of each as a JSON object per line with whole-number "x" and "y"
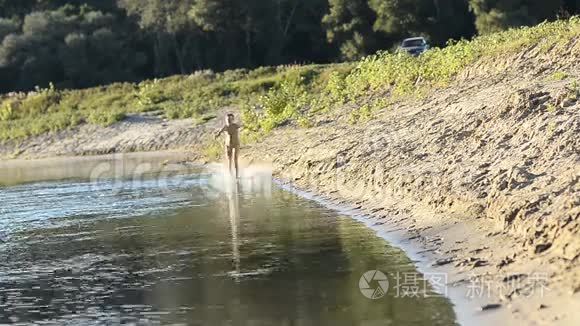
{"x": 192, "y": 248}
{"x": 234, "y": 208}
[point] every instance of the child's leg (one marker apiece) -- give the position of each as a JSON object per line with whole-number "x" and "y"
{"x": 229, "y": 154}
{"x": 236, "y": 152}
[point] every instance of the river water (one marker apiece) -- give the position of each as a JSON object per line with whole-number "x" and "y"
{"x": 135, "y": 239}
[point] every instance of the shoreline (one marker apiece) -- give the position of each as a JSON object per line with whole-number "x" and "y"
{"x": 475, "y": 175}
{"x": 412, "y": 238}
{"x": 469, "y": 310}
{"x": 429, "y": 238}
{"x": 466, "y": 310}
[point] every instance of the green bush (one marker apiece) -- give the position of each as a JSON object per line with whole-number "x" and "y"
{"x": 105, "y": 118}
{"x": 149, "y": 94}
{"x": 282, "y": 103}
{"x": 38, "y": 104}
{"x": 6, "y": 111}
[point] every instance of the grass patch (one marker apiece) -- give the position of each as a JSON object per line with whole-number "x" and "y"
{"x": 551, "y": 108}
{"x": 559, "y": 75}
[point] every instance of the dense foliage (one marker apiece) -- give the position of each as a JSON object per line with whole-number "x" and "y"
{"x": 81, "y": 43}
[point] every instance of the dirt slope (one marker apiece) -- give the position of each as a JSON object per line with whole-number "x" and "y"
{"x": 137, "y": 133}
{"x": 485, "y": 173}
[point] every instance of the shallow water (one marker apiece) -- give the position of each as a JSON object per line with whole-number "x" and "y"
{"x": 156, "y": 243}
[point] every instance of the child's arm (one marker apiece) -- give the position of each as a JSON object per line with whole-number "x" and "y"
{"x": 220, "y": 132}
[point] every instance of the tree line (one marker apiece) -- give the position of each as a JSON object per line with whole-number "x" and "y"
{"x": 83, "y": 43}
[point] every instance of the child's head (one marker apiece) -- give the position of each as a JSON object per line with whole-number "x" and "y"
{"x": 230, "y": 118}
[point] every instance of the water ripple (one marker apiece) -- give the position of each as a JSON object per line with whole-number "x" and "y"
{"x": 53, "y": 204}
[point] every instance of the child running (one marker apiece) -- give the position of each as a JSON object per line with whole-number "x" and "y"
{"x": 232, "y": 141}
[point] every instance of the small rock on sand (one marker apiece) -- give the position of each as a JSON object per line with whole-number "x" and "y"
{"x": 490, "y": 306}
{"x": 542, "y": 247}
{"x": 444, "y": 261}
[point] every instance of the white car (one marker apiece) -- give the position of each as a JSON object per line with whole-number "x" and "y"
{"x": 414, "y": 45}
